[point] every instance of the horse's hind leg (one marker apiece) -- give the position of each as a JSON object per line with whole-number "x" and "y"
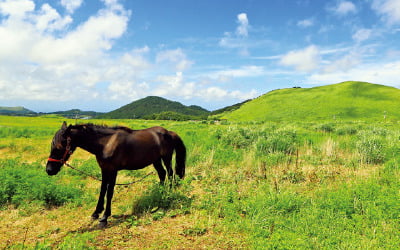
{"x": 160, "y": 170}
{"x": 167, "y": 162}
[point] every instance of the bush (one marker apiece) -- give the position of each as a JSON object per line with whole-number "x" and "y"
{"x": 371, "y": 148}
{"x": 278, "y": 142}
{"x": 327, "y": 128}
{"x": 346, "y": 130}
{"x": 236, "y": 137}
{"x": 25, "y": 183}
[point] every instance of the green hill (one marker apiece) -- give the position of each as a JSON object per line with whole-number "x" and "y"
{"x": 153, "y": 107}
{"x": 76, "y": 113}
{"x": 229, "y": 108}
{"x": 347, "y": 100}
{"x": 16, "y": 111}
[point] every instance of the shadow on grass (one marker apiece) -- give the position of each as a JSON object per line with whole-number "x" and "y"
{"x": 158, "y": 200}
{"x": 164, "y": 198}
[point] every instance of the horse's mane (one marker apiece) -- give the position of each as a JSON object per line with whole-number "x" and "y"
{"x": 96, "y": 127}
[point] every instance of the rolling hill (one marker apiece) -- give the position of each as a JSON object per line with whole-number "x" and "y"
{"x": 76, "y": 113}
{"x": 16, "y": 111}
{"x": 346, "y": 100}
{"x": 153, "y": 107}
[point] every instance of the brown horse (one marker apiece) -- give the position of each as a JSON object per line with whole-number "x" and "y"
{"x": 118, "y": 148}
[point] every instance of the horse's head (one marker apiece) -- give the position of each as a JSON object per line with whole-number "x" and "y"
{"x": 61, "y": 149}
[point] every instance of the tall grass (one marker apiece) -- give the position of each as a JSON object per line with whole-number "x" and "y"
{"x": 281, "y": 185}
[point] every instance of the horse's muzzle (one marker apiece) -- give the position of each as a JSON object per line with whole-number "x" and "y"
{"x": 53, "y": 168}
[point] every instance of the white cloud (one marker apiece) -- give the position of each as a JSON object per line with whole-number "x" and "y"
{"x": 217, "y": 93}
{"x": 38, "y": 56}
{"x": 362, "y": 35}
{"x": 343, "y": 64}
{"x": 176, "y": 86}
{"x": 226, "y": 75}
{"x": 345, "y": 7}
{"x": 388, "y": 9}
{"x": 177, "y": 58}
{"x": 238, "y": 40}
{"x": 16, "y": 8}
{"x": 383, "y": 73}
{"x": 305, "y": 23}
{"x": 304, "y": 60}
{"x": 49, "y": 19}
{"x": 242, "y": 29}
{"x": 71, "y": 5}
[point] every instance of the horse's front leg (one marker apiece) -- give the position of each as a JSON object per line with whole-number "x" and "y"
{"x": 100, "y": 202}
{"x": 110, "y": 192}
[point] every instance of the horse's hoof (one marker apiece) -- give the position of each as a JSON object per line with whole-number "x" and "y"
{"x": 103, "y": 224}
{"x": 95, "y": 216}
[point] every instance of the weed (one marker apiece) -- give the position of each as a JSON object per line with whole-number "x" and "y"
{"x": 159, "y": 197}
{"x": 371, "y": 148}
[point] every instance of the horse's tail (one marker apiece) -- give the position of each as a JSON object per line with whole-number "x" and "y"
{"x": 180, "y": 155}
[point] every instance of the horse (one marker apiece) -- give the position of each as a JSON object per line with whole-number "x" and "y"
{"x": 118, "y": 148}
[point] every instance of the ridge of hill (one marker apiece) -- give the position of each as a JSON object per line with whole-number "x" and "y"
{"x": 16, "y": 111}
{"x": 154, "y": 107}
{"x": 229, "y": 108}
{"x": 346, "y": 100}
{"x": 76, "y": 113}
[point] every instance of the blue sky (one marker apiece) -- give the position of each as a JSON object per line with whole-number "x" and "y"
{"x": 102, "y": 54}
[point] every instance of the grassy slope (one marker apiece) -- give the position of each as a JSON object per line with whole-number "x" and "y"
{"x": 347, "y": 100}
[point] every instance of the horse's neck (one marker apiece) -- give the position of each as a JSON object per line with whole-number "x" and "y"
{"x": 89, "y": 143}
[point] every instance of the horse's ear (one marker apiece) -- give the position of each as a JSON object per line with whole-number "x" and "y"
{"x": 64, "y": 125}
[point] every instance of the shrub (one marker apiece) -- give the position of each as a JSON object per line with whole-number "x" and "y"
{"x": 371, "y": 148}
{"x": 327, "y": 128}
{"x": 25, "y": 183}
{"x": 236, "y": 137}
{"x": 278, "y": 142}
{"x": 346, "y": 130}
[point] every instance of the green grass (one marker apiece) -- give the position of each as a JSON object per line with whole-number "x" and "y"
{"x": 284, "y": 185}
{"x": 343, "y": 101}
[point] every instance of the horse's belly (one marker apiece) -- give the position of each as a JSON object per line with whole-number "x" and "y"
{"x": 133, "y": 165}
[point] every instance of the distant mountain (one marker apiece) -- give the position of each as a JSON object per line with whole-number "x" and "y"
{"x": 20, "y": 111}
{"x": 77, "y": 114}
{"x": 347, "y": 100}
{"x": 153, "y": 107}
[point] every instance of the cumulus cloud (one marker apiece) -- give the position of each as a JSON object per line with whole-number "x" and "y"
{"x": 49, "y": 19}
{"x": 344, "y": 8}
{"x": 242, "y": 29}
{"x": 388, "y": 9}
{"x": 217, "y": 93}
{"x": 226, "y": 75}
{"x": 342, "y": 64}
{"x": 238, "y": 39}
{"x": 16, "y": 8}
{"x": 71, "y": 5}
{"x": 304, "y": 60}
{"x": 386, "y": 73}
{"x": 46, "y": 58}
{"x": 178, "y": 87}
{"x": 176, "y": 58}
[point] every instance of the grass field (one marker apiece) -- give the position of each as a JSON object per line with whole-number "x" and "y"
{"x": 288, "y": 185}
{"x": 342, "y": 101}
